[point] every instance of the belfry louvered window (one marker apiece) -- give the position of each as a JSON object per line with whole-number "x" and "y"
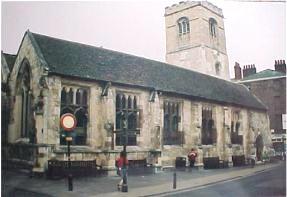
{"x": 183, "y": 25}
{"x": 213, "y": 27}
{"x": 74, "y": 101}
{"x": 127, "y": 119}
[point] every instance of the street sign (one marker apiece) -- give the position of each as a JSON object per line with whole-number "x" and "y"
{"x": 69, "y": 139}
{"x": 68, "y": 122}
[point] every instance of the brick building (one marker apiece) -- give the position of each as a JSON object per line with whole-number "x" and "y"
{"x": 270, "y": 87}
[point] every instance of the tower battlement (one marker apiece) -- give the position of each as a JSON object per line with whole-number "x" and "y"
{"x": 188, "y": 4}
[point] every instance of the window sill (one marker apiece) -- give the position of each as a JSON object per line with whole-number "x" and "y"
{"x": 76, "y": 149}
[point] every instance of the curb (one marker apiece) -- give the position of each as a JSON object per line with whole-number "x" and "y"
{"x": 166, "y": 189}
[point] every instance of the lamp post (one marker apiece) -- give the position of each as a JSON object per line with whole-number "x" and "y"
{"x": 68, "y": 122}
{"x": 125, "y": 179}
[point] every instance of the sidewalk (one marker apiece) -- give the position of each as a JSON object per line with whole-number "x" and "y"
{"x": 154, "y": 184}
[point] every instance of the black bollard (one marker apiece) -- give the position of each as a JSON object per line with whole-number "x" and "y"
{"x": 70, "y": 182}
{"x": 174, "y": 180}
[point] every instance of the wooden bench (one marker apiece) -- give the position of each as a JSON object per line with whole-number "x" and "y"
{"x": 59, "y": 169}
{"x": 211, "y": 162}
{"x": 238, "y": 160}
{"x": 139, "y": 167}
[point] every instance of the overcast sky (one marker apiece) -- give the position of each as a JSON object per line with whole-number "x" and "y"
{"x": 255, "y": 31}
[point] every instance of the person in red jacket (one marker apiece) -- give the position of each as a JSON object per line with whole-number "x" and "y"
{"x": 191, "y": 157}
{"x": 120, "y": 170}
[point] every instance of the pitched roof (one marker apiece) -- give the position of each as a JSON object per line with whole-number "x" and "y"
{"x": 268, "y": 73}
{"x": 88, "y": 62}
{"x": 10, "y": 59}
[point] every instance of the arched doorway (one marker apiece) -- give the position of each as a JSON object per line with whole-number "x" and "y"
{"x": 259, "y": 147}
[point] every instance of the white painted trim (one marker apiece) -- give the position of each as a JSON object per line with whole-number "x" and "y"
{"x": 260, "y": 79}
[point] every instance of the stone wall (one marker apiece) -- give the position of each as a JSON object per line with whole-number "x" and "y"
{"x": 37, "y": 71}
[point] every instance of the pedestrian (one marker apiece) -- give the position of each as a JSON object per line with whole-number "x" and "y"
{"x": 191, "y": 157}
{"x": 120, "y": 170}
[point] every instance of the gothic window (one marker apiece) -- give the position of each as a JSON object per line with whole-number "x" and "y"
{"x": 235, "y": 126}
{"x": 85, "y": 97}
{"x": 24, "y": 93}
{"x": 80, "y": 109}
{"x": 172, "y": 135}
{"x": 63, "y": 95}
{"x": 212, "y": 27}
{"x": 78, "y": 97}
{"x": 183, "y": 25}
{"x": 127, "y": 116}
{"x": 70, "y": 96}
{"x": 209, "y": 135}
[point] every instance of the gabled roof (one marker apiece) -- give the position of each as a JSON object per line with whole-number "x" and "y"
{"x": 10, "y": 59}
{"x": 92, "y": 63}
{"x": 265, "y": 74}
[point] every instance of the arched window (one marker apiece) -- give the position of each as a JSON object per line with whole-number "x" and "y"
{"x": 212, "y": 27}
{"x": 209, "y": 134}
{"x": 183, "y": 25}
{"x": 63, "y": 96}
{"x": 135, "y": 102}
{"x": 70, "y": 96}
{"x": 78, "y": 97}
{"x": 126, "y": 118}
{"x": 129, "y": 102}
{"x": 85, "y": 97}
{"x": 217, "y": 68}
{"x": 171, "y": 134}
{"x": 123, "y": 102}
{"x": 118, "y": 101}
{"x": 24, "y": 93}
{"x": 74, "y": 101}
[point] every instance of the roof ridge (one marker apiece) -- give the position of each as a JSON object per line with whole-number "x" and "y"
{"x": 73, "y": 59}
{"x": 122, "y": 53}
{"x": 37, "y": 47}
{"x": 9, "y": 54}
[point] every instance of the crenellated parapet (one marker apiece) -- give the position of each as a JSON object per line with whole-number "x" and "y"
{"x": 182, "y": 5}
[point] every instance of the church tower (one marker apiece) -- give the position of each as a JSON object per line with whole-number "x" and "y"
{"x": 195, "y": 38}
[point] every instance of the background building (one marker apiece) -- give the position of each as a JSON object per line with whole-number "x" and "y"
{"x": 270, "y": 87}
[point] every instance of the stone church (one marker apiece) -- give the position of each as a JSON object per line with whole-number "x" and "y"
{"x": 168, "y": 108}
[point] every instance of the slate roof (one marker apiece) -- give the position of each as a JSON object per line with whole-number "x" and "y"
{"x": 10, "y": 59}
{"x": 93, "y": 63}
{"x": 268, "y": 73}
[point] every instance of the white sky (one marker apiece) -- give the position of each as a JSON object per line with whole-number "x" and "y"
{"x": 255, "y": 32}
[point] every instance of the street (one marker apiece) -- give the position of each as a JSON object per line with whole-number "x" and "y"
{"x": 265, "y": 183}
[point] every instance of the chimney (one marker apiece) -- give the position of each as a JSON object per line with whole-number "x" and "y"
{"x": 249, "y": 70}
{"x": 237, "y": 71}
{"x": 280, "y": 66}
